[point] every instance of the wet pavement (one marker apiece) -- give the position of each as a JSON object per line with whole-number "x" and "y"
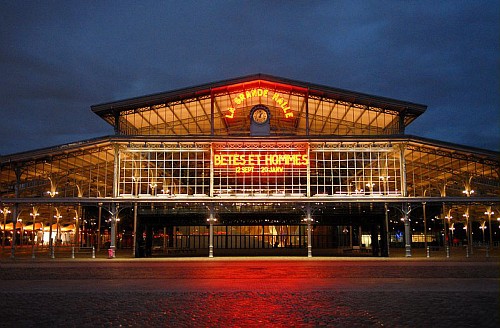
{"x": 250, "y": 292}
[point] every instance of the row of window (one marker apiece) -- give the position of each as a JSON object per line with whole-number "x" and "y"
{"x": 259, "y": 172}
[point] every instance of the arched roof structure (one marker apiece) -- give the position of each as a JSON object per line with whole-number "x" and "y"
{"x": 297, "y": 108}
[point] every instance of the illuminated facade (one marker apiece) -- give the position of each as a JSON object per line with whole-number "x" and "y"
{"x": 254, "y": 165}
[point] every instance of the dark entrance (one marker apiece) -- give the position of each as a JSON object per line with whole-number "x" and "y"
{"x": 336, "y": 230}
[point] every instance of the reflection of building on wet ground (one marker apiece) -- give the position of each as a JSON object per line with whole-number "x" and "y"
{"x": 253, "y": 163}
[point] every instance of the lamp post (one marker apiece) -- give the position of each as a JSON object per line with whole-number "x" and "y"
{"x": 211, "y": 221}
{"x": 33, "y": 214}
{"x": 5, "y": 211}
{"x": 113, "y": 220}
{"x": 77, "y": 230}
{"x": 21, "y": 233}
{"x": 448, "y": 217}
{"x": 489, "y": 212}
{"x": 425, "y": 223}
{"x": 57, "y": 217}
{"x": 468, "y": 191}
{"x": 466, "y": 227}
{"x": 153, "y": 186}
{"x": 309, "y": 221}
{"x": 52, "y": 193}
{"x": 482, "y": 227}
{"x": 452, "y": 229}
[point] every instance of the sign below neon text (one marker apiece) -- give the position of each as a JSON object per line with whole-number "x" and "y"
{"x": 260, "y": 163}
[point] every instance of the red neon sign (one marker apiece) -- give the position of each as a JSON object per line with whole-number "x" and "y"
{"x": 278, "y": 99}
{"x": 259, "y": 163}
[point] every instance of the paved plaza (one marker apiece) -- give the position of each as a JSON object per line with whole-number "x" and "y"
{"x": 250, "y": 292}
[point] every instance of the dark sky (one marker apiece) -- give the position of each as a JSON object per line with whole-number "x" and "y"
{"x": 57, "y": 58}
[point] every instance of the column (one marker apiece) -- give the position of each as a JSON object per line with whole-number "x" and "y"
{"x": 114, "y": 216}
{"x": 425, "y": 224}
{"x": 404, "y": 189}
{"x": 406, "y": 212}
{"x": 385, "y": 250}
{"x": 6, "y": 212}
{"x": 211, "y": 220}
{"x": 309, "y": 230}
{"x": 99, "y": 216}
{"x": 489, "y": 213}
{"x": 134, "y": 248}
{"x": 51, "y": 244}
{"x": 15, "y": 213}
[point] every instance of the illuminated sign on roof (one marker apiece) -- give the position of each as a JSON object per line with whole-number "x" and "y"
{"x": 261, "y": 93}
{"x": 260, "y": 162}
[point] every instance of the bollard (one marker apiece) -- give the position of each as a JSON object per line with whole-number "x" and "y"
{"x": 33, "y": 252}
{"x": 73, "y": 252}
{"x": 447, "y": 252}
{"x": 93, "y": 252}
{"x": 52, "y": 255}
{"x": 488, "y": 251}
{"x": 428, "y": 252}
{"x": 467, "y": 251}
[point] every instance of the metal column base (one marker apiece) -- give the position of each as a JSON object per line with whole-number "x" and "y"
{"x": 408, "y": 251}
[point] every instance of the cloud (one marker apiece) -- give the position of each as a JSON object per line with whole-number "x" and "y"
{"x": 60, "y": 57}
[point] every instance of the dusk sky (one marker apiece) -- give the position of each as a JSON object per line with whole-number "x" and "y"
{"x": 57, "y": 58}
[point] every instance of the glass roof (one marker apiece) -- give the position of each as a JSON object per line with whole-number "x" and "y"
{"x": 223, "y": 108}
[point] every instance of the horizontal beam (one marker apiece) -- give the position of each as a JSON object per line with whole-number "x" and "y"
{"x": 252, "y": 200}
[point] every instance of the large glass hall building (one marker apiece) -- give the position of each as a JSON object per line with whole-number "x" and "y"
{"x": 253, "y": 165}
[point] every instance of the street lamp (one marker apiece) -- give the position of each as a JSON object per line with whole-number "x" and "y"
{"x": 211, "y": 220}
{"x": 77, "y": 225}
{"x": 449, "y": 217}
{"x": 58, "y": 216}
{"x": 482, "y": 227}
{"x": 489, "y": 212}
{"x": 5, "y": 212}
{"x": 153, "y": 186}
{"x": 468, "y": 192}
{"x": 370, "y": 186}
{"x": 52, "y": 193}
{"x": 33, "y": 214}
{"x": 467, "y": 231}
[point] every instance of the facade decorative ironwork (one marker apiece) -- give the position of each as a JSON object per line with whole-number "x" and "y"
{"x": 329, "y": 151}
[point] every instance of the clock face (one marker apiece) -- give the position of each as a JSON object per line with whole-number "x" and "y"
{"x": 260, "y": 116}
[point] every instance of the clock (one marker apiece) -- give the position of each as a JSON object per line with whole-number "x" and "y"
{"x": 260, "y": 115}
{"x": 260, "y": 118}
